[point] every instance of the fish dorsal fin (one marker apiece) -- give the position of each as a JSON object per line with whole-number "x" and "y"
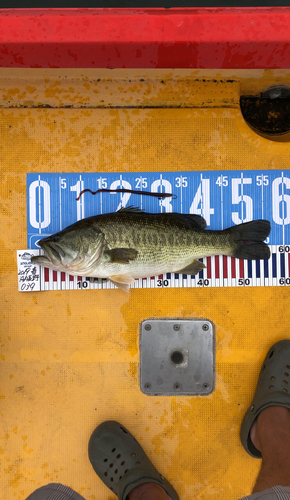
{"x": 130, "y": 210}
{"x": 190, "y": 220}
{"x": 193, "y": 268}
{"x": 121, "y": 255}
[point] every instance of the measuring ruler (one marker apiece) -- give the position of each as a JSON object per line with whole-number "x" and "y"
{"x": 223, "y": 198}
{"x": 220, "y": 271}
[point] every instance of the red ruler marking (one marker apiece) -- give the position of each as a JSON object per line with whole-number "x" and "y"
{"x": 241, "y": 265}
{"x": 208, "y": 267}
{"x": 225, "y": 262}
{"x": 233, "y": 266}
{"x": 217, "y": 267}
{"x": 46, "y": 274}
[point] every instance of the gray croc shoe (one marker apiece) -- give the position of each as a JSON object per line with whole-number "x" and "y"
{"x": 273, "y": 388}
{"x": 120, "y": 461}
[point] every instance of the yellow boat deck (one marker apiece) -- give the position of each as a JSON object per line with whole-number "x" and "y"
{"x": 70, "y": 359}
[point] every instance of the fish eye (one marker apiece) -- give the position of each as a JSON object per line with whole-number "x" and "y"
{"x": 56, "y": 237}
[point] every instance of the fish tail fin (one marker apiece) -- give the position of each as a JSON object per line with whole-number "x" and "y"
{"x": 249, "y": 240}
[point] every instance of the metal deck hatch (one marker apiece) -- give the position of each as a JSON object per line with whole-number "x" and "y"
{"x": 176, "y": 357}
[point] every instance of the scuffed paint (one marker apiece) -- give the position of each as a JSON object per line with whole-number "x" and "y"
{"x": 71, "y": 359}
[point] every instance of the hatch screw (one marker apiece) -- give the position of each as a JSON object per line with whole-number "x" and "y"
{"x": 252, "y": 408}
{"x": 147, "y": 386}
{"x": 147, "y": 327}
{"x": 205, "y": 327}
{"x": 205, "y": 385}
{"x": 275, "y": 94}
{"x": 176, "y": 327}
{"x": 176, "y": 386}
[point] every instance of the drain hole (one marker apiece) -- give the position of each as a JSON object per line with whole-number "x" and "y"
{"x": 137, "y": 463}
{"x": 111, "y": 465}
{"x": 118, "y": 456}
{"x": 273, "y": 378}
{"x": 176, "y": 357}
{"x": 285, "y": 390}
{"x": 285, "y": 382}
{"x": 112, "y": 479}
{"x": 116, "y": 471}
{"x": 123, "y": 463}
{"x": 133, "y": 455}
{"x": 106, "y": 473}
{"x": 268, "y": 112}
{"x": 271, "y": 387}
{"x": 114, "y": 449}
{"x": 105, "y": 460}
{"x": 288, "y": 366}
{"x": 126, "y": 470}
{"x": 286, "y": 374}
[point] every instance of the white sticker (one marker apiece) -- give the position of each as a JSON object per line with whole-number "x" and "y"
{"x": 28, "y": 273}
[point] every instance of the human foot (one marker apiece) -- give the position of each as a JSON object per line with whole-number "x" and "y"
{"x": 273, "y": 391}
{"x": 148, "y": 491}
{"x": 272, "y": 424}
{"x": 121, "y": 463}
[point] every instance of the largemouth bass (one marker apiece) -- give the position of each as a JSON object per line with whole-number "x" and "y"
{"x": 130, "y": 244}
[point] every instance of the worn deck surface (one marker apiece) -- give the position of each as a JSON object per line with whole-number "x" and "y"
{"x": 69, "y": 360}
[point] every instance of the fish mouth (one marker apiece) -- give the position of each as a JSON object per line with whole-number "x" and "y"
{"x": 52, "y": 253}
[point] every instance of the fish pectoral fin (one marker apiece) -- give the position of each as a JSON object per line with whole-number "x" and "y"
{"x": 192, "y": 268}
{"x": 121, "y": 255}
{"x": 122, "y": 281}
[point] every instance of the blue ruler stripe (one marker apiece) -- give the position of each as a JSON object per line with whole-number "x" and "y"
{"x": 223, "y": 198}
{"x": 274, "y": 264}
{"x": 258, "y": 270}
{"x": 282, "y": 264}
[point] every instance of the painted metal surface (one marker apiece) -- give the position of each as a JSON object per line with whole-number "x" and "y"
{"x": 145, "y": 38}
{"x": 70, "y": 360}
{"x": 177, "y": 357}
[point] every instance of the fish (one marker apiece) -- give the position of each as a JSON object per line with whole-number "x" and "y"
{"x": 129, "y": 244}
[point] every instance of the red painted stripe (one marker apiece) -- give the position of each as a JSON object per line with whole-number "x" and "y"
{"x": 241, "y": 265}
{"x": 233, "y": 267}
{"x": 208, "y": 267}
{"x": 256, "y": 37}
{"x": 71, "y": 278}
{"x": 46, "y": 274}
{"x": 62, "y": 276}
{"x": 79, "y": 278}
{"x": 54, "y": 275}
{"x": 217, "y": 266}
{"x": 225, "y": 264}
